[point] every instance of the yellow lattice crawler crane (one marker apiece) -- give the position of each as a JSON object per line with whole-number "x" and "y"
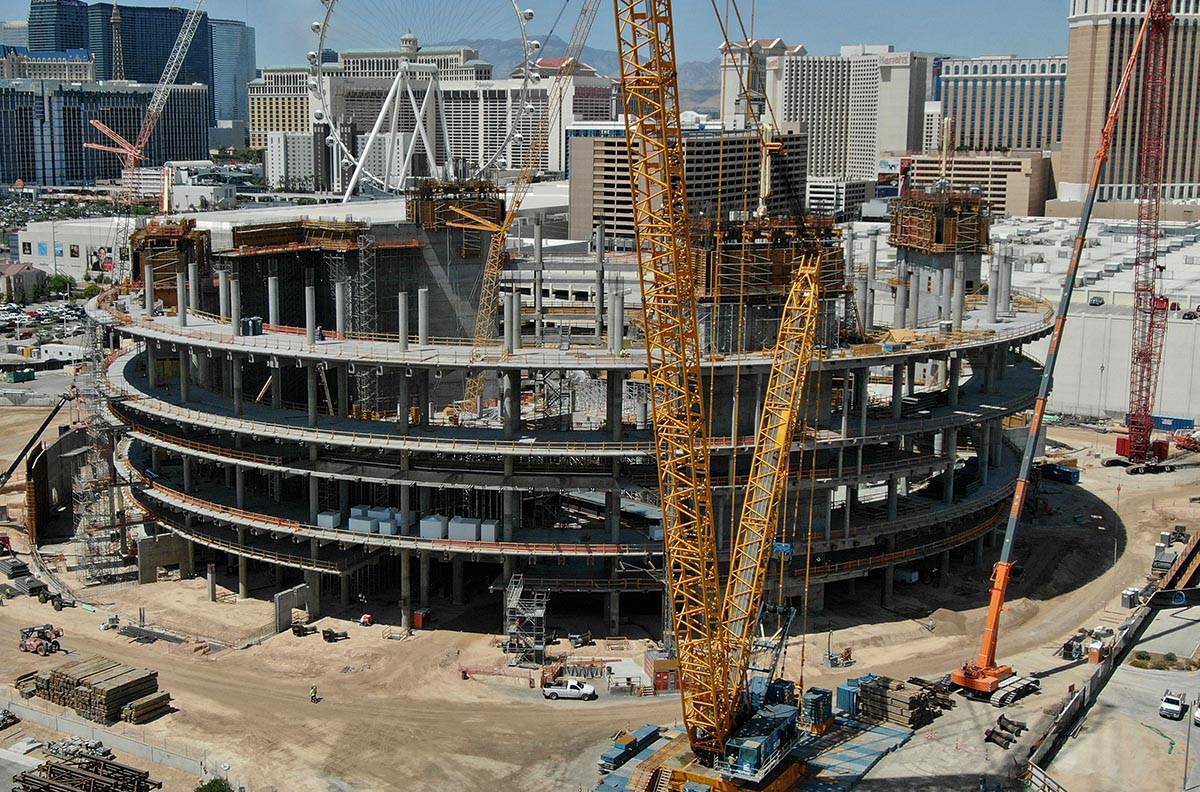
{"x": 733, "y": 746}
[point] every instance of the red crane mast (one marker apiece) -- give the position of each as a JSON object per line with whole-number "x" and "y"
{"x": 1150, "y": 305}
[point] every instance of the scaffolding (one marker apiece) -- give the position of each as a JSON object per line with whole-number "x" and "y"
{"x": 366, "y": 321}
{"x": 433, "y": 205}
{"x": 97, "y": 498}
{"x": 524, "y": 623}
{"x": 938, "y": 222}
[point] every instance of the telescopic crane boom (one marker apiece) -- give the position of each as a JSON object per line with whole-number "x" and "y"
{"x": 984, "y": 675}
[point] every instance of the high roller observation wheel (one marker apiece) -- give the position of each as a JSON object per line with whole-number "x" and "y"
{"x": 327, "y": 25}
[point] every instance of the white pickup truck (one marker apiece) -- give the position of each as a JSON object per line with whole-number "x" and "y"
{"x": 1173, "y": 705}
{"x": 568, "y": 689}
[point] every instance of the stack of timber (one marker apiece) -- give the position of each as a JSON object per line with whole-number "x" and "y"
{"x": 86, "y": 774}
{"x": 896, "y": 702}
{"x": 97, "y": 688}
{"x": 147, "y": 708}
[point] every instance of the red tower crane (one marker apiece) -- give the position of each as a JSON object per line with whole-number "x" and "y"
{"x": 1150, "y": 305}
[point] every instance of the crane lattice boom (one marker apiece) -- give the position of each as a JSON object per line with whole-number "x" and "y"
{"x": 1150, "y": 306}
{"x": 650, "y": 95}
{"x": 767, "y": 483}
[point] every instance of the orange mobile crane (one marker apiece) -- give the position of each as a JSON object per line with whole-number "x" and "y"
{"x": 984, "y": 676}
{"x": 714, "y": 629}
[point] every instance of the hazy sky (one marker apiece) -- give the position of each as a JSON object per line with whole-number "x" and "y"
{"x": 966, "y": 27}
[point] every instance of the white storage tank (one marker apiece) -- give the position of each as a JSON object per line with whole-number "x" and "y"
{"x": 489, "y": 531}
{"x": 329, "y": 519}
{"x": 464, "y": 528}
{"x": 364, "y": 525}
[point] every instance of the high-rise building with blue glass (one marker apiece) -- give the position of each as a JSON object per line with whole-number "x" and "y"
{"x": 233, "y": 57}
{"x": 58, "y": 25}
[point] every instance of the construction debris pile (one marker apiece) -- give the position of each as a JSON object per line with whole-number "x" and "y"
{"x": 883, "y": 699}
{"x": 84, "y": 773}
{"x": 100, "y": 690}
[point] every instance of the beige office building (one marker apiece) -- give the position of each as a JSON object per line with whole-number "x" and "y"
{"x": 722, "y": 168}
{"x": 279, "y": 102}
{"x": 1101, "y": 35}
{"x": 1005, "y": 102}
{"x": 1014, "y": 183}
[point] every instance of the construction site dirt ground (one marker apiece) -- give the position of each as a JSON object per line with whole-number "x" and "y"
{"x": 399, "y": 715}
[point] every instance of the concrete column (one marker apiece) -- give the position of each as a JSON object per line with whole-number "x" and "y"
{"x": 310, "y": 371}
{"x": 423, "y": 396}
{"x": 273, "y": 299}
{"x": 506, "y": 313}
{"x": 343, "y": 390}
{"x": 889, "y": 573}
{"x": 510, "y": 514}
{"x": 983, "y": 452}
{"x": 916, "y": 285}
{"x": 238, "y": 398}
{"x": 897, "y": 390}
{"x": 339, "y": 306}
{"x": 310, "y": 314}
{"x": 193, "y": 280}
{"x": 278, "y": 576}
{"x": 344, "y": 499}
{"x": 612, "y": 515}
{"x": 405, "y": 507}
{"x": 148, "y": 288}
{"x": 235, "y": 306}
{"x": 344, "y": 589}
{"x": 872, "y": 264}
{"x": 151, "y": 365}
{"x": 315, "y": 581}
{"x": 212, "y": 582}
{"x": 510, "y": 402}
{"x": 181, "y": 309}
{"x": 615, "y": 392}
{"x": 404, "y": 401}
{"x": 893, "y": 497}
{"x": 223, "y": 293}
{"x": 423, "y": 317}
{"x": 314, "y": 499}
{"x": 402, "y": 320}
{"x": 816, "y": 597}
{"x": 239, "y": 479}
{"x": 1006, "y": 270}
{"x": 953, "y": 379}
{"x": 243, "y": 568}
{"x": 516, "y": 319}
{"x": 910, "y": 378}
{"x": 945, "y": 293}
{"x": 405, "y": 589}
{"x": 187, "y": 474}
{"x": 423, "y": 591}
{"x": 900, "y": 309}
{"x": 457, "y": 586}
{"x": 154, "y": 457}
{"x": 960, "y": 292}
{"x": 614, "y": 612}
{"x": 993, "y": 297}
{"x": 989, "y": 371}
{"x": 276, "y": 384}
{"x": 979, "y": 553}
{"x": 860, "y": 300}
{"x": 950, "y": 450}
{"x": 539, "y": 325}
{"x": 188, "y": 570}
{"x": 598, "y": 304}
{"x": 997, "y": 442}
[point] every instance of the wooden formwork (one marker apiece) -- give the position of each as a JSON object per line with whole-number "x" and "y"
{"x": 937, "y": 223}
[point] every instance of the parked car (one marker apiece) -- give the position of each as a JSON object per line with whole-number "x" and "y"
{"x": 1096, "y": 301}
{"x": 1189, "y": 315}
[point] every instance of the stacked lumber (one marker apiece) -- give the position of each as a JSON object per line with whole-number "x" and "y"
{"x": 96, "y": 687}
{"x": 896, "y": 702}
{"x": 147, "y": 708}
{"x": 14, "y": 568}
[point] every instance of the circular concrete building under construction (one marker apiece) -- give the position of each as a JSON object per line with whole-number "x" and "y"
{"x": 297, "y": 402}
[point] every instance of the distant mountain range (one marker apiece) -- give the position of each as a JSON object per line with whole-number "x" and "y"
{"x": 699, "y": 81}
